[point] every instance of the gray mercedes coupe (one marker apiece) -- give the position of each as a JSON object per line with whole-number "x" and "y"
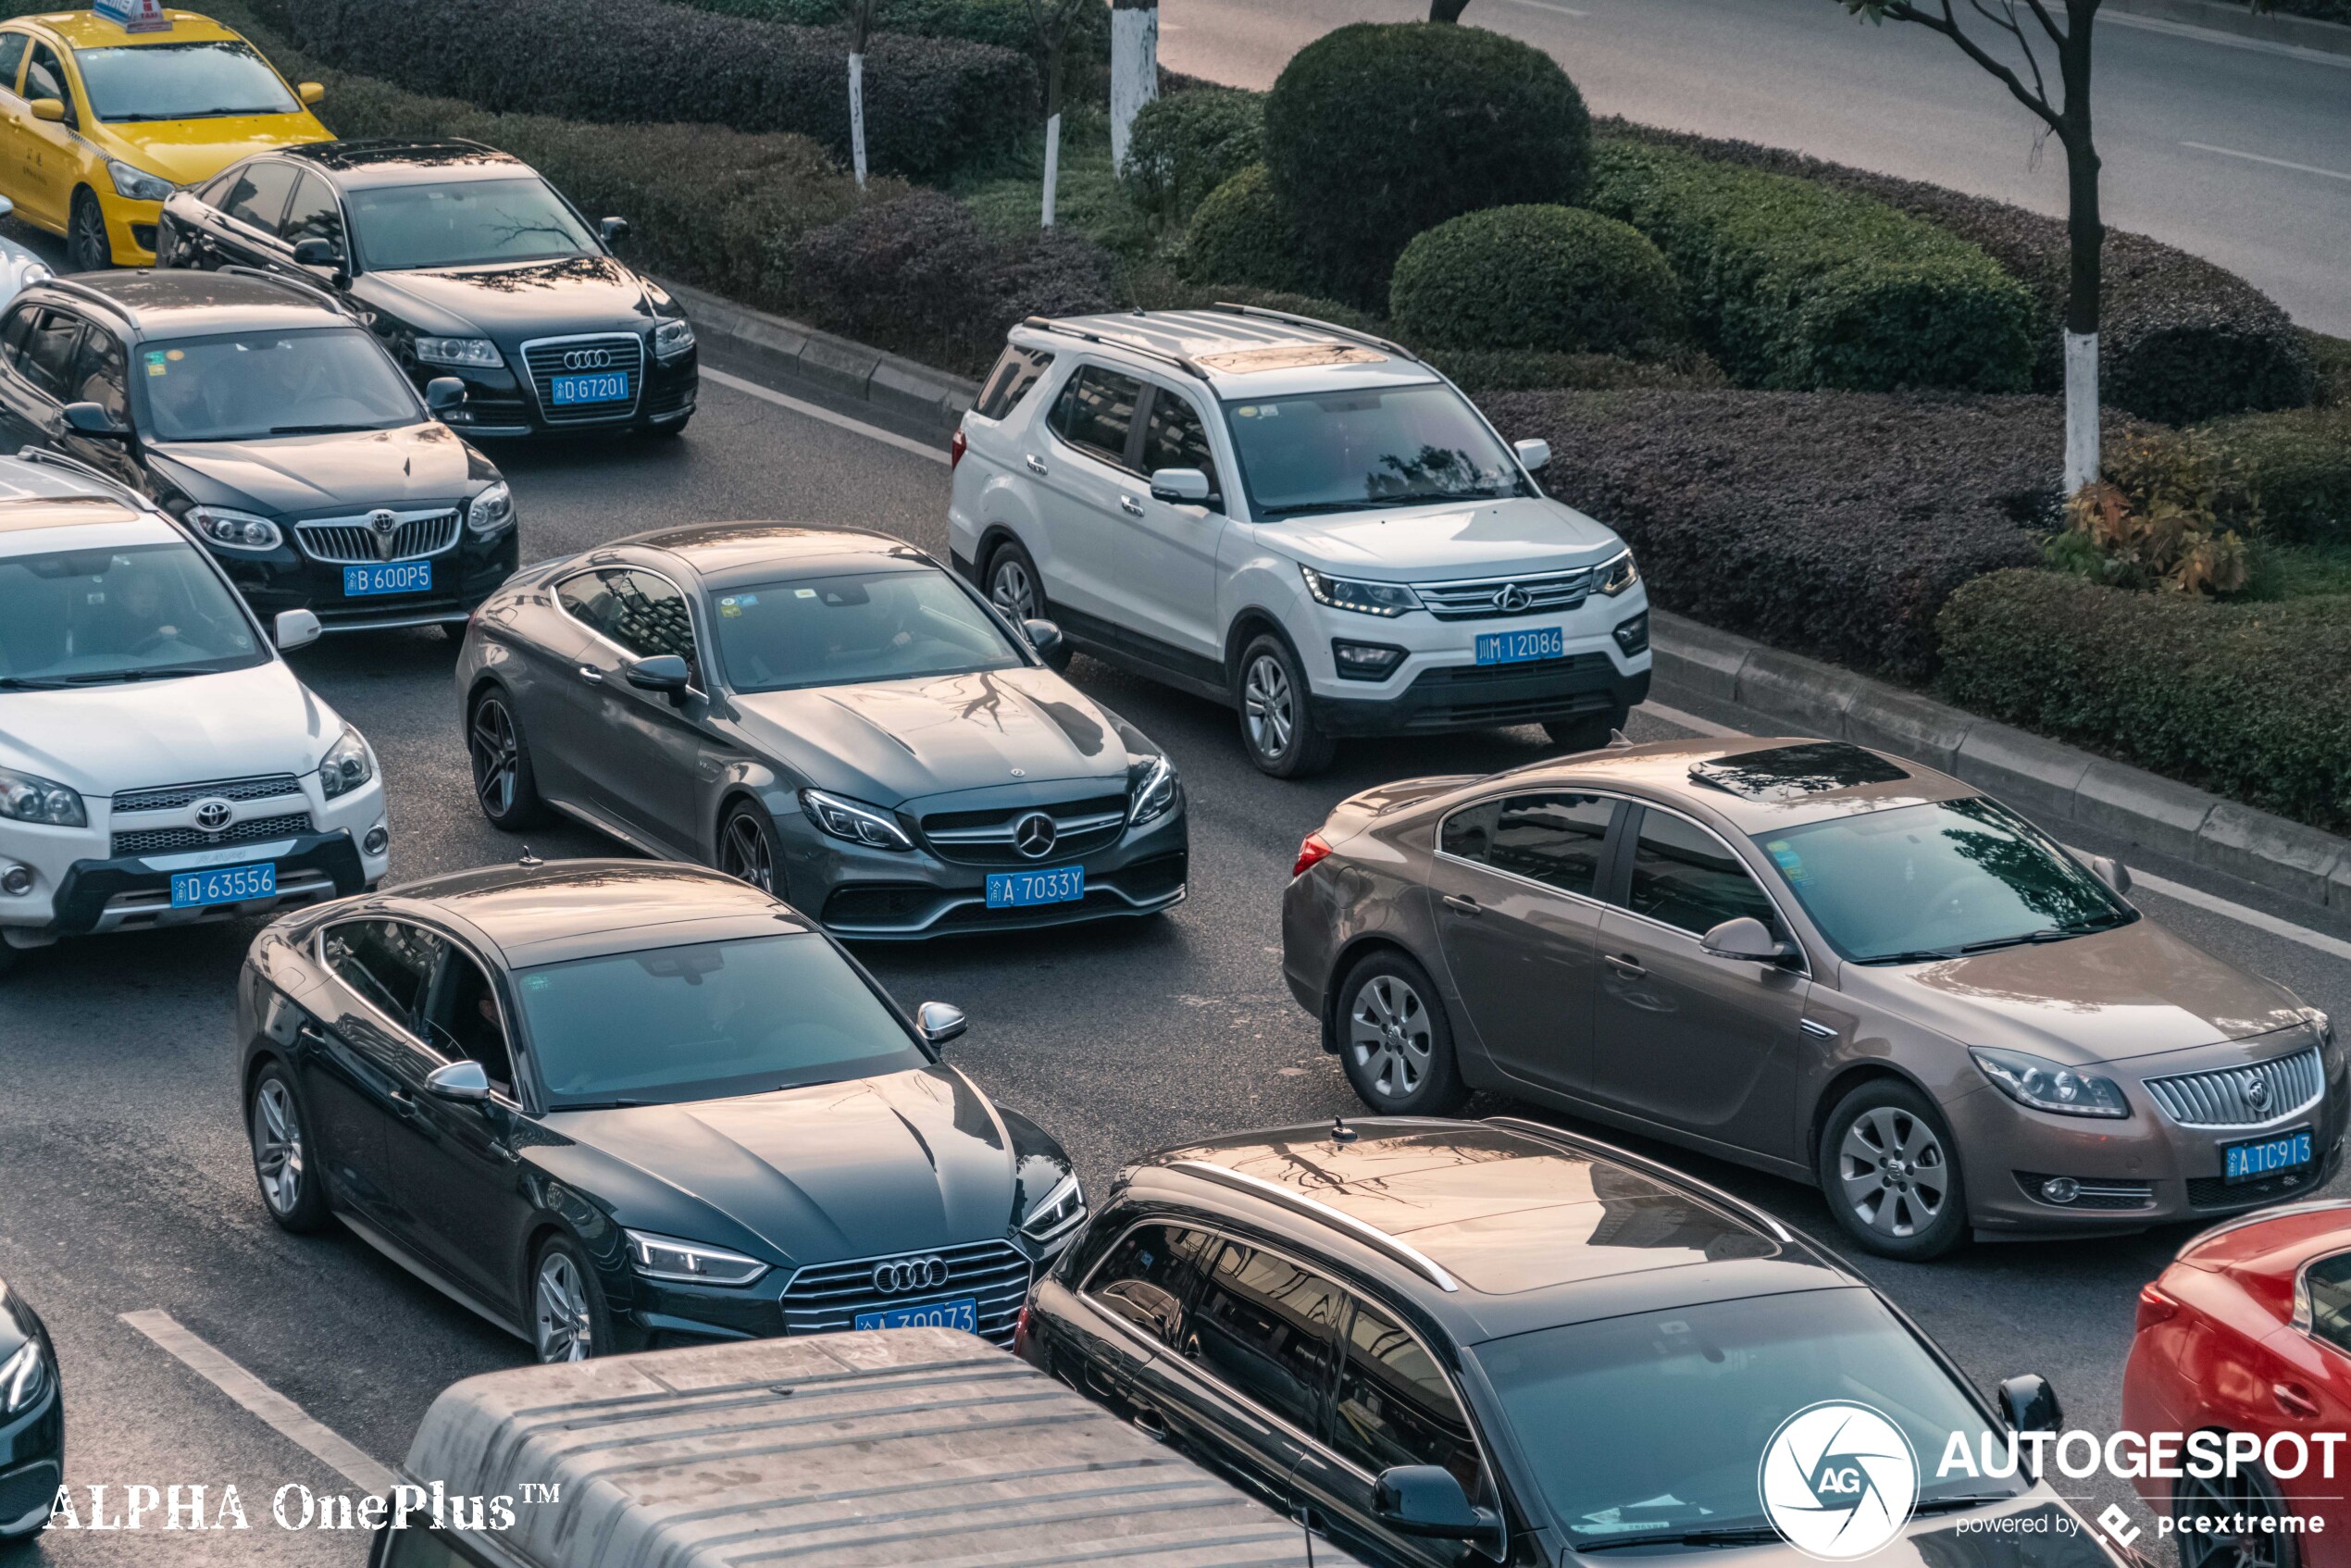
{"x": 827, "y": 713}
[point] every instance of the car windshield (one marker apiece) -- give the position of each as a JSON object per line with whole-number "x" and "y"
{"x": 1941, "y": 879}
{"x": 706, "y": 1021}
{"x": 1655, "y": 1424}
{"x": 900, "y": 624}
{"x": 141, "y": 612}
{"x": 306, "y": 382}
{"x": 464, "y": 224}
{"x": 200, "y": 81}
{"x": 1381, "y": 446}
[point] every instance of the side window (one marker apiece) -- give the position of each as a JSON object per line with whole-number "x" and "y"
{"x": 1175, "y": 439}
{"x": 1264, "y": 1328}
{"x": 2329, "y": 1283}
{"x": 314, "y": 215}
{"x": 18, "y": 329}
{"x": 649, "y": 615}
{"x": 1017, "y": 370}
{"x": 388, "y": 961}
{"x": 1395, "y": 1406}
{"x": 1097, "y": 413}
{"x": 258, "y": 196}
{"x": 1148, "y": 1277}
{"x": 47, "y": 359}
{"x": 44, "y": 76}
{"x": 462, "y": 1020}
{"x": 1687, "y": 878}
{"x": 588, "y": 600}
{"x": 1554, "y": 838}
{"x": 12, "y": 48}
{"x": 100, "y": 371}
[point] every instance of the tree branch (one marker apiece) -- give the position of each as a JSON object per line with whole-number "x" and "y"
{"x": 1948, "y": 26}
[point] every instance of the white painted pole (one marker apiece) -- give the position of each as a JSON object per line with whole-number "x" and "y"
{"x": 2081, "y": 410}
{"x": 1052, "y": 164}
{"x": 857, "y": 115}
{"x": 1134, "y": 70}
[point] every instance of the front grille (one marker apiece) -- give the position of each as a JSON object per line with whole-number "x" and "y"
{"x": 1152, "y": 879}
{"x": 1540, "y": 594}
{"x": 827, "y": 1298}
{"x": 986, "y": 837}
{"x": 178, "y": 797}
{"x": 352, "y": 542}
{"x": 21, "y": 1491}
{"x": 2242, "y": 1097}
{"x": 622, "y": 353}
{"x": 879, "y": 904}
{"x": 2107, "y": 1195}
{"x": 1462, "y": 696}
{"x": 163, "y": 840}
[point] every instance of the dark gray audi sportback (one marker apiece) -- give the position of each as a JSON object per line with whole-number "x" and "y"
{"x": 827, "y": 713}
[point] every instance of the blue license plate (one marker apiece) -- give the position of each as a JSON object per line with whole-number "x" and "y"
{"x": 1016, "y": 889}
{"x": 2251, "y": 1162}
{"x": 1519, "y": 647}
{"x": 609, "y": 386}
{"x": 391, "y": 577}
{"x": 223, "y": 884}
{"x": 961, "y": 1313}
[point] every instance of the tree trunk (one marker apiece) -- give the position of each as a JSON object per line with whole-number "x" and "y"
{"x": 857, "y": 115}
{"x": 2087, "y": 234}
{"x": 1446, "y": 10}
{"x": 1134, "y": 69}
{"x": 1053, "y": 124}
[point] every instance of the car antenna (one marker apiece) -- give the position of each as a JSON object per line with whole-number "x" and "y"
{"x": 1616, "y": 737}
{"x": 1341, "y": 1132}
{"x": 529, "y": 862}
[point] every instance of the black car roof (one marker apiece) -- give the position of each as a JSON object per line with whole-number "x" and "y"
{"x": 387, "y": 160}
{"x": 1493, "y": 1227}
{"x": 726, "y": 554}
{"x": 178, "y": 302}
{"x": 536, "y": 912}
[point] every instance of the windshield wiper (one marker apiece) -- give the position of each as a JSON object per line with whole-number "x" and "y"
{"x": 320, "y": 430}
{"x": 1724, "y": 1535}
{"x": 600, "y": 1106}
{"x": 1914, "y": 955}
{"x": 23, "y": 683}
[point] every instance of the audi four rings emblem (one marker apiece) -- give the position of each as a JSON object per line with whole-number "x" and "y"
{"x": 1033, "y": 835}
{"x": 898, "y": 1275}
{"x": 1511, "y": 599}
{"x": 587, "y": 359}
{"x": 214, "y": 814}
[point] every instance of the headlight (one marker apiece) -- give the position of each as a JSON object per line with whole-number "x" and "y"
{"x": 672, "y": 339}
{"x": 480, "y": 352}
{"x": 1152, "y": 790}
{"x": 1057, "y": 1212}
{"x": 24, "y": 1378}
{"x": 346, "y": 765}
{"x": 2045, "y": 1086}
{"x": 664, "y": 1257}
{"x": 492, "y": 510}
{"x": 137, "y": 184}
{"x": 234, "y": 531}
{"x": 1618, "y": 574}
{"x": 1369, "y": 598}
{"x": 30, "y": 799}
{"x": 854, "y": 820}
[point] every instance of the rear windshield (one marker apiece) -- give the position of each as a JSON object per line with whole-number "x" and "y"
{"x": 464, "y": 224}
{"x": 212, "y": 80}
{"x": 855, "y": 628}
{"x": 91, "y": 617}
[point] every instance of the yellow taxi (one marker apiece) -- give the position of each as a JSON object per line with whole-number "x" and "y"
{"x": 104, "y": 112}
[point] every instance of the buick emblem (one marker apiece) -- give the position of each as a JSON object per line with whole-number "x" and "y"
{"x": 214, "y": 814}
{"x": 1511, "y": 599}
{"x": 2257, "y": 1091}
{"x": 898, "y": 1275}
{"x": 587, "y": 359}
{"x": 387, "y": 531}
{"x": 1033, "y": 835}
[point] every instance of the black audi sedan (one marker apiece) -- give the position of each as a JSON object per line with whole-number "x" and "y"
{"x": 32, "y": 1419}
{"x": 259, "y": 413}
{"x": 466, "y": 262}
{"x": 626, "y": 1104}
{"x": 1465, "y": 1342}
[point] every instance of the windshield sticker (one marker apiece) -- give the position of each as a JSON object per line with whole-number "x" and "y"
{"x": 1791, "y": 864}
{"x": 804, "y": 594}
{"x": 1259, "y": 411}
{"x": 731, "y": 607}
{"x": 156, "y": 366}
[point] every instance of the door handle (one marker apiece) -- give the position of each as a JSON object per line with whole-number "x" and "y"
{"x": 1151, "y": 1424}
{"x": 591, "y": 674}
{"x": 2293, "y": 1399}
{"x": 1625, "y": 965}
{"x": 1130, "y": 506}
{"x": 1461, "y": 906}
{"x": 1036, "y": 464}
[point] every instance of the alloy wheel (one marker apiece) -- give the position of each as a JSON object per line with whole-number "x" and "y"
{"x": 495, "y": 757}
{"x": 743, "y": 853}
{"x": 2217, "y": 1498}
{"x": 277, "y": 1146}
{"x": 1388, "y": 1035}
{"x": 560, "y": 1301}
{"x": 1267, "y": 706}
{"x": 1895, "y": 1172}
{"x": 1012, "y": 590}
{"x": 90, "y": 249}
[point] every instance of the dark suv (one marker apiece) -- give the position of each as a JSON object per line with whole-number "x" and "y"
{"x": 1452, "y": 1342}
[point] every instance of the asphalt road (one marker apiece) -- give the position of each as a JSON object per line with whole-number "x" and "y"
{"x": 125, "y": 1184}
{"x": 2200, "y": 140}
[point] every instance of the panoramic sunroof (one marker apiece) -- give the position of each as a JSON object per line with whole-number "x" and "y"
{"x": 1791, "y": 773}
{"x": 1287, "y": 356}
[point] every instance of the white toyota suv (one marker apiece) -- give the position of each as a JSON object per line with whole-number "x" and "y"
{"x": 160, "y": 762}
{"x": 1301, "y": 521}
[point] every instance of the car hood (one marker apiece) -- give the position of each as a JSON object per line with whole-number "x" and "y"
{"x": 315, "y": 474}
{"x": 900, "y": 739}
{"x": 168, "y": 148}
{"x": 129, "y": 736}
{"x": 2135, "y": 990}
{"x": 512, "y": 300}
{"x": 1524, "y": 535}
{"x": 904, "y": 1162}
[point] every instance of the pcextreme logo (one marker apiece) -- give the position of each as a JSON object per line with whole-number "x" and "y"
{"x": 1838, "y": 1480}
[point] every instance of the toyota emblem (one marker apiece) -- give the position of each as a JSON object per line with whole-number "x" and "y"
{"x": 1033, "y": 835}
{"x": 587, "y": 359}
{"x": 1511, "y": 599}
{"x": 895, "y": 1276}
{"x": 2257, "y": 1091}
{"x": 214, "y": 814}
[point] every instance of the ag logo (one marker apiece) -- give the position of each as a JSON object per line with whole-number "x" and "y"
{"x": 1838, "y": 1480}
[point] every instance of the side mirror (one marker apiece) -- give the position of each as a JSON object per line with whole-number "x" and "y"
{"x": 1532, "y": 455}
{"x": 1425, "y": 1500}
{"x": 2110, "y": 871}
{"x": 50, "y": 109}
{"x": 665, "y": 673}
{"x": 1746, "y": 941}
{"x": 444, "y": 393}
{"x": 939, "y": 1022}
{"x": 89, "y": 420}
{"x": 614, "y": 229}
{"x": 7, "y": 206}
{"x": 310, "y": 92}
{"x": 1183, "y": 486}
{"x": 2029, "y": 1404}
{"x": 1051, "y": 645}
{"x": 314, "y": 252}
{"x": 296, "y": 628}
{"x": 463, "y": 1082}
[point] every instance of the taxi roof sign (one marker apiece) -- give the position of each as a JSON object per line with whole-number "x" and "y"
{"x": 134, "y": 16}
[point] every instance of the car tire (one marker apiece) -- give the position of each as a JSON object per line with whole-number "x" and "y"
{"x": 1395, "y": 1042}
{"x": 1890, "y": 1171}
{"x": 2247, "y": 1492}
{"x": 286, "y": 1163}
{"x": 1277, "y": 712}
{"x": 1588, "y": 733}
{"x": 569, "y": 1319}
{"x": 1012, "y": 584}
{"x": 506, "y": 786}
{"x": 88, "y": 246}
{"x": 748, "y": 850}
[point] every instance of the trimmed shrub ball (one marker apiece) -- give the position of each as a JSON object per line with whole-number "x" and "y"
{"x": 1551, "y": 278}
{"x": 1186, "y": 145}
{"x": 1241, "y": 235}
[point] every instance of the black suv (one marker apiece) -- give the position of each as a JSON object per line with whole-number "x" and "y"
{"x": 466, "y": 262}
{"x": 257, "y": 411}
{"x": 1454, "y": 1342}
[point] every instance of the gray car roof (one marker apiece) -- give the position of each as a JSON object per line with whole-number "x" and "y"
{"x": 550, "y": 912}
{"x": 1664, "y": 768}
{"x": 728, "y": 554}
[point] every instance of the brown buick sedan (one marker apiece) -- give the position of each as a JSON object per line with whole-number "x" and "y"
{"x": 1817, "y": 960}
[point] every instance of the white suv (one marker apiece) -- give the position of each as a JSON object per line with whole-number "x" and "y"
{"x": 159, "y": 763}
{"x": 1301, "y": 521}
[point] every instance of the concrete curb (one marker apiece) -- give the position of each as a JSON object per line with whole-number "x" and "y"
{"x": 2218, "y": 16}
{"x": 888, "y": 383}
{"x": 2053, "y": 780}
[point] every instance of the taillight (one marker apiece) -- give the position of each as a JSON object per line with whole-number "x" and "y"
{"x": 1310, "y": 854}
{"x": 2154, "y": 1307}
{"x": 955, "y": 450}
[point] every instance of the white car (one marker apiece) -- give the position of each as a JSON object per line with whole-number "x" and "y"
{"x": 1301, "y": 521}
{"x": 20, "y": 268}
{"x": 160, "y": 762}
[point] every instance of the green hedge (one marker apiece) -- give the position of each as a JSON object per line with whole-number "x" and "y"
{"x": 1186, "y": 145}
{"x": 1004, "y": 23}
{"x": 2249, "y": 701}
{"x": 1241, "y": 235}
{"x": 1482, "y": 370}
{"x": 1551, "y": 277}
{"x": 2300, "y": 464}
{"x": 1795, "y": 285}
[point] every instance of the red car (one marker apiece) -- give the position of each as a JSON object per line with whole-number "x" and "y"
{"x": 2249, "y": 1333}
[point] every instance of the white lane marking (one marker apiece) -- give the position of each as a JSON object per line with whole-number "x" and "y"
{"x": 291, "y": 1421}
{"x": 2276, "y": 163}
{"x": 1547, "y": 5}
{"x": 2335, "y": 947}
{"x": 2230, "y": 40}
{"x": 817, "y": 411}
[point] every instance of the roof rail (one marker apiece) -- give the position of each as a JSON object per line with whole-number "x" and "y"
{"x": 307, "y": 285}
{"x": 97, "y": 476}
{"x": 96, "y": 297}
{"x": 1349, "y": 332}
{"x": 1182, "y": 362}
{"x": 1577, "y": 1141}
{"x": 1371, "y": 1235}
